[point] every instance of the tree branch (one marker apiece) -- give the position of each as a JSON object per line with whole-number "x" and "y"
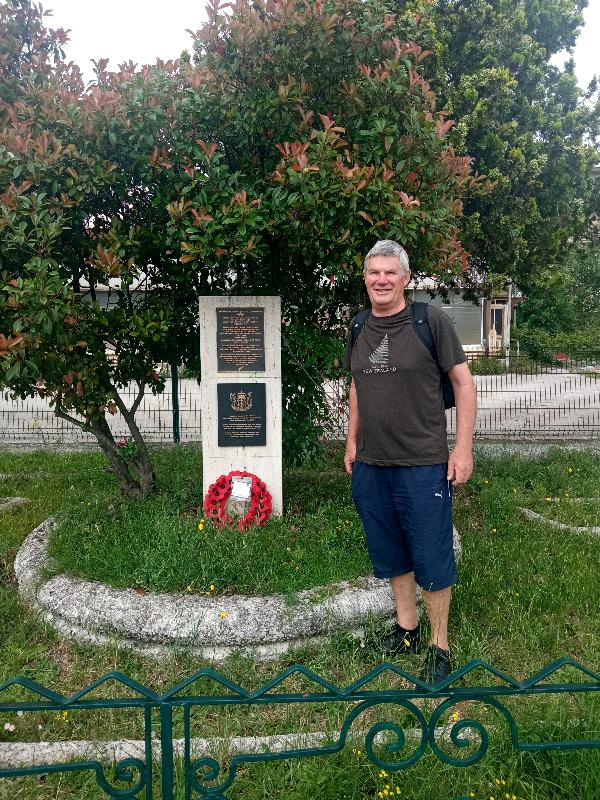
{"x": 85, "y": 426}
{"x": 138, "y": 399}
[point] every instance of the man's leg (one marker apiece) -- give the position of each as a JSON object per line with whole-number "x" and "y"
{"x": 404, "y": 589}
{"x": 438, "y": 607}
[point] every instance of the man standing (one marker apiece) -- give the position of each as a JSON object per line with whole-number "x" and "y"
{"x": 397, "y": 453}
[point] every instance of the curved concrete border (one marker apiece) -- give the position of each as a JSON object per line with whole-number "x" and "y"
{"x": 210, "y": 627}
{"x": 7, "y": 503}
{"x": 552, "y": 523}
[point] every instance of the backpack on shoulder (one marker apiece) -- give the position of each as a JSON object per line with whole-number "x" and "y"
{"x": 420, "y": 323}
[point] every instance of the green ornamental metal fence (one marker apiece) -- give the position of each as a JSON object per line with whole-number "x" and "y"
{"x": 205, "y": 777}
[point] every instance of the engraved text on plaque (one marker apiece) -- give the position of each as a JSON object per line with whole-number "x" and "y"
{"x": 240, "y": 340}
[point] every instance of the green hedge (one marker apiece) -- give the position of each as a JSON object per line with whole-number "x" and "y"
{"x": 487, "y": 365}
{"x": 580, "y": 345}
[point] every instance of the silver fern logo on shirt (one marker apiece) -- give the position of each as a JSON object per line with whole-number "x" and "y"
{"x": 380, "y": 358}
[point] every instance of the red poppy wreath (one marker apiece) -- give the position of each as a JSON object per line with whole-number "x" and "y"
{"x": 215, "y": 502}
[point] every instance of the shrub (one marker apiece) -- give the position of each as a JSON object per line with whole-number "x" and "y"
{"x": 487, "y": 365}
{"x": 579, "y": 345}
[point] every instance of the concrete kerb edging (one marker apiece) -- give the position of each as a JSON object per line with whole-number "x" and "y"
{"x": 35, "y": 754}
{"x": 14, "y": 755}
{"x": 8, "y": 503}
{"x": 210, "y": 627}
{"x": 561, "y": 526}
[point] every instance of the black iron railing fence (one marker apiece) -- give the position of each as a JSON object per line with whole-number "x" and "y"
{"x": 407, "y": 727}
{"x": 518, "y": 400}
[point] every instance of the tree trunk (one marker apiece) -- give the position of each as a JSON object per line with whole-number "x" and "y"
{"x": 133, "y": 478}
{"x": 134, "y": 471}
{"x": 141, "y": 462}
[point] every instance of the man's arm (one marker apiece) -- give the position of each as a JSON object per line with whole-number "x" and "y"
{"x": 353, "y": 426}
{"x": 460, "y": 462}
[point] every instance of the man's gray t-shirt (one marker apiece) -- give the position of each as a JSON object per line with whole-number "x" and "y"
{"x": 398, "y": 387}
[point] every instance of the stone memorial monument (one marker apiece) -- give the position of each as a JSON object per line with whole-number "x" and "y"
{"x": 240, "y": 352}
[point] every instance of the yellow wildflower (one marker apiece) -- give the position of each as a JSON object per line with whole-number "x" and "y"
{"x": 212, "y": 587}
{"x": 222, "y": 613}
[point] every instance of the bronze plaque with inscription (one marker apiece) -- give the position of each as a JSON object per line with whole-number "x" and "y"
{"x": 240, "y": 340}
{"x": 242, "y": 414}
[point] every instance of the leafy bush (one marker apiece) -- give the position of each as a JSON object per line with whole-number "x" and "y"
{"x": 522, "y": 363}
{"x": 487, "y": 365}
{"x": 579, "y": 345}
{"x": 299, "y": 135}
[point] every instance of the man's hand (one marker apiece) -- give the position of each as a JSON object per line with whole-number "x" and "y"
{"x": 460, "y": 466}
{"x": 349, "y": 459}
{"x": 460, "y": 462}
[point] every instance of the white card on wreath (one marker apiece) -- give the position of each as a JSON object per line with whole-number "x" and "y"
{"x": 241, "y": 488}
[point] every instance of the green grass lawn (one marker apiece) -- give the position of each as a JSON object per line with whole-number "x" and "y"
{"x": 159, "y": 545}
{"x": 527, "y": 595}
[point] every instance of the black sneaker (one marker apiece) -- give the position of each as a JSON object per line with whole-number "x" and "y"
{"x": 437, "y": 665}
{"x": 402, "y": 641}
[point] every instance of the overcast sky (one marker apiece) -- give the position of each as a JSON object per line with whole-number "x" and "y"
{"x": 143, "y": 30}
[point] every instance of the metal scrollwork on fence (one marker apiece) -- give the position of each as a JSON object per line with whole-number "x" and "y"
{"x": 211, "y": 770}
{"x": 393, "y": 744}
{"x": 124, "y": 772}
{"x": 461, "y": 726}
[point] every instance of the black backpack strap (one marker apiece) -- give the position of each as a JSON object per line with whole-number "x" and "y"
{"x": 418, "y": 317}
{"x": 357, "y": 324}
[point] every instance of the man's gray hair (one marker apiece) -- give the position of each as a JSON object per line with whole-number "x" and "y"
{"x": 390, "y": 249}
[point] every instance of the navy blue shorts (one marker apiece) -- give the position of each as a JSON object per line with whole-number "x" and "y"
{"x": 407, "y": 516}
